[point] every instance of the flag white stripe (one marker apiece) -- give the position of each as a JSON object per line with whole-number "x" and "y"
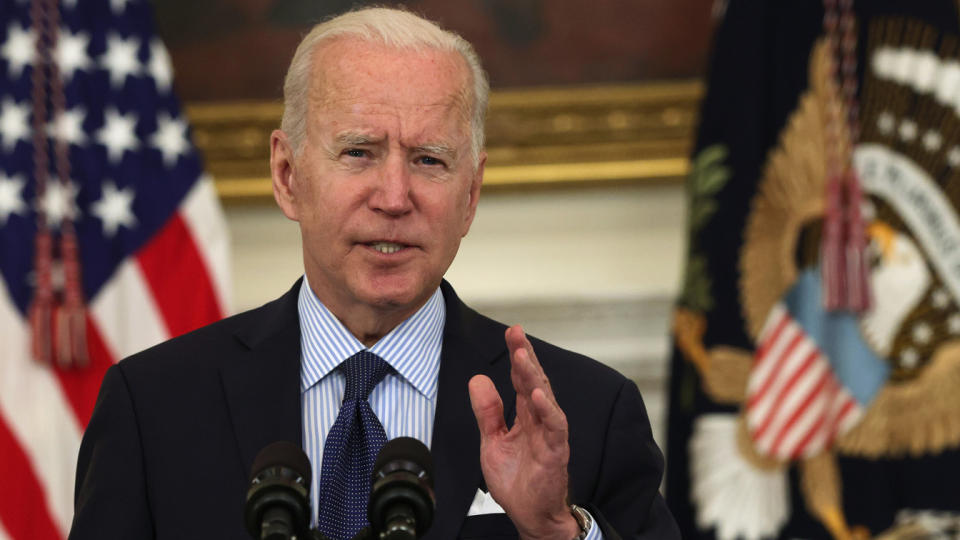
{"x": 42, "y": 421}
{"x": 785, "y": 405}
{"x": 785, "y": 368}
{"x": 817, "y": 409}
{"x": 769, "y": 363}
{"x": 773, "y": 320}
{"x": 821, "y": 438}
{"x": 126, "y": 314}
{"x": 208, "y": 227}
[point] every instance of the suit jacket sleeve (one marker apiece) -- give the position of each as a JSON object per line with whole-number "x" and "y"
{"x": 627, "y": 496}
{"x": 111, "y": 496}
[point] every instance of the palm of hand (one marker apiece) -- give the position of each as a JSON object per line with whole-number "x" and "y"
{"x": 525, "y": 467}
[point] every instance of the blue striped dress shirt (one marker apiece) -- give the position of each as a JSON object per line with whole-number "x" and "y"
{"x": 405, "y": 401}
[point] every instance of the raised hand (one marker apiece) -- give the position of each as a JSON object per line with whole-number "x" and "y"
{"x": 525, "y": 467}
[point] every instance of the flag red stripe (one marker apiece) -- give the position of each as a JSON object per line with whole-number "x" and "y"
{"x": 800, "y": 409}
{"x": 773, "y": 337}
{"x": 23, "y": 508}
{"x": 177, "y": 276}
{"x": 81, "y": 386}
{"x": 768, "y": 382}
{"x": 782, "y": 395}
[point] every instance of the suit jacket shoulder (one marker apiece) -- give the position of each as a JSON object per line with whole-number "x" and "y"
{"x": 168, "y": 450}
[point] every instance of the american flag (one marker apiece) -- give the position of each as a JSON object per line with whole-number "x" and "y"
{"x": 813, "y": 377}
{"x": 151, "y": 236}
{"x": 796, "y": 405}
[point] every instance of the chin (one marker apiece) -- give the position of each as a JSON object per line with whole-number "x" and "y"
{"x": 396, "y": 291}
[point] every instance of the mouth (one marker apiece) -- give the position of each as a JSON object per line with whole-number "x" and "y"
{"x": 387, "y": 248}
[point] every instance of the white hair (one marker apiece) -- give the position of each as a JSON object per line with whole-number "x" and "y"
{"x": 392, "y": 27}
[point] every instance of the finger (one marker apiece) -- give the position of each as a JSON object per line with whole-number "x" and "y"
{"x": 551, "y": 416}
{"x": 487, "y": 406}
{"x": 517, "y": 341}
{"x": 527, "y": 380}
{"x": 527, "y": 376}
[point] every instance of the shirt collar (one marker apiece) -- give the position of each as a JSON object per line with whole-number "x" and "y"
{"x": 412, "y": 348}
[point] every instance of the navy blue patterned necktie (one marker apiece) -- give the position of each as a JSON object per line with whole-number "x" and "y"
{"x": 350, "y": 450}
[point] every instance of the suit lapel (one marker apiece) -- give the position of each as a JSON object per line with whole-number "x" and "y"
{"x": 471, "y": 344}
{"x": 262, "y": 383}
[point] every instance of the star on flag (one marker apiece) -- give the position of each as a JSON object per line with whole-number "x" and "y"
{"x": 68, "y": 126}
{"x": 11, "y": 197}
{"x": 114, "y": 208}
{"x": 18, "y": 50}
{"x": 170, "y": 138}
{"x": 120, "y": 59}
{"x": 71, "y": 53}
{"x": 14, "y": 123}
{"x": 60, "y": 202}
{"x": 117, "y": 134}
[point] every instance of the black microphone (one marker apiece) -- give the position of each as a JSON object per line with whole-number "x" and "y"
{"x": 401, "y": 500}
{"x": 278, "y": 506}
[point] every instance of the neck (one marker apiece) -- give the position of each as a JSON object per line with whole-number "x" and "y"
{"x": 368, "y": 323}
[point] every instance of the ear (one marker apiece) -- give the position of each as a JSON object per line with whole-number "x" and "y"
{"x": 282, "y": 168}
{"x": 473, "y": 195}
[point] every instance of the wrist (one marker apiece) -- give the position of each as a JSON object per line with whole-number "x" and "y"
{"x": 563, "y": 526}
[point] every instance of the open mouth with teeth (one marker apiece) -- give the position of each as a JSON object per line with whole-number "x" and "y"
{"x": 386, "y": 247}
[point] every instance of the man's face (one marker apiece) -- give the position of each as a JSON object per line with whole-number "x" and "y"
{"x": 384, "y": 186}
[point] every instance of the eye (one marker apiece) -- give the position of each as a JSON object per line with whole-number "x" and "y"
{"x": 355, "y": 153}
{"x": 431, "y": 161}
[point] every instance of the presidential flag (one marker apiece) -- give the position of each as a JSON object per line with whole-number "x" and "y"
{"x": 111, "y": 237}
{"x": 814, "y": 381}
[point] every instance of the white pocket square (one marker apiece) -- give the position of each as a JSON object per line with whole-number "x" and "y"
{"x": 483, "y": 503}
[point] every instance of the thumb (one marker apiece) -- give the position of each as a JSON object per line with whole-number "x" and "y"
{"x": 487, "y": 406}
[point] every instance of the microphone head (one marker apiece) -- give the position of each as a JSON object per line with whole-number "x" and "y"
{"x": 404, "y": 453}
{"x": 401, "y": 500}
{"x": 283, "y": 454}
{"x": 278, "y": 503}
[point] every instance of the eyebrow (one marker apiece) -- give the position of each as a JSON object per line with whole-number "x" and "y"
{"x": 437, "y": 148}
{"x": 351, "y": 138}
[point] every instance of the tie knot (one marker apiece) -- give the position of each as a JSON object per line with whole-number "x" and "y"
{"x": 363, "y": 371}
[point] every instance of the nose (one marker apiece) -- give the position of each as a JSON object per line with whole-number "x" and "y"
{"x": 392, "y": 194}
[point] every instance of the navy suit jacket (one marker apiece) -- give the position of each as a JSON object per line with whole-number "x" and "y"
{"x": 175, "y": 430}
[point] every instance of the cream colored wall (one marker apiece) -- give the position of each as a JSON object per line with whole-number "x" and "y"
{"x": 591, "y": 269}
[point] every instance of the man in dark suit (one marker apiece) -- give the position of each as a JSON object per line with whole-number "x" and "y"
{"x": 380, "y": 160}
